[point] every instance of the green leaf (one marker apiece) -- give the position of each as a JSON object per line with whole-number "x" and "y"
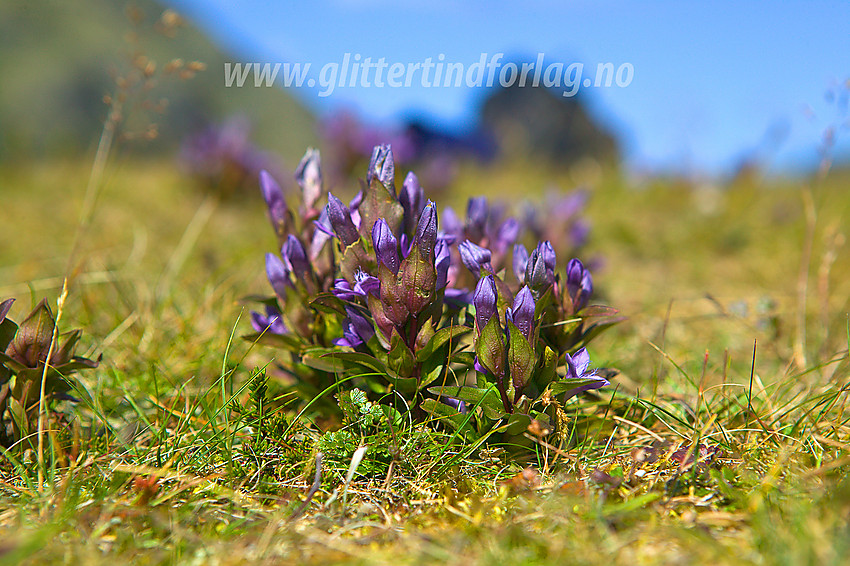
{"x": 323, "y": 359}
{"x": 379, "y": 202}
{"x": 568, "y": 384}
{"x": 418, "y": 278}
{"x": 285, "y": 341}
{"x": 328, "y": 303}
{"x": 441, "y": 337}
{"x": 490, "y": 348}
{"x": 521, "y": 357}
{"x": 7, "y": 333}
{"x": 548, "y": 370}
{"x": 354, "y": 360}
{"x": 400, "y": 359}
{"x": 449, "y": 416}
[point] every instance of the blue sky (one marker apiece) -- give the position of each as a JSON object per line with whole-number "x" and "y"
{"x": 713, "y": 82}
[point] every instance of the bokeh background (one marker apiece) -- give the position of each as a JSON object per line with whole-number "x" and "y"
{"x": 717, "y": 87}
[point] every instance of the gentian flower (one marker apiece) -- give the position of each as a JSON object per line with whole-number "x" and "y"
{"x": 339, "y": 217}
{"x": 278, "y": 275}
{"x": 382, "y": 167}
{"x": 295, "y": 258}
{"x": 484, "y": 299}
{"x": 271, "y": 322}
{"x": 520, "y": 262}
{"x": 522, "y": 312}
{"x": 474, "y": 257}
{"x": 308, "y": 174}
{"x": 365, "y": 284}
{"x": 477, "y": 211}
{"x": 356, "y": 329}
{"x": 579, "y": 284}
{"x": 577, "y": 365}
{"x": 452, "y": 226}
{"x": 275, "y": 202}
{"x": 442, "y": 261}
{"x": 540, "y": 270}
{"x": 386, "y": 246}
{"x": 412, "y": 199}
{"x": 426, "y": 231}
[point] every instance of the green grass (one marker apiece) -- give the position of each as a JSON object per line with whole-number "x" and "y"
{"x": 159, "y": 465}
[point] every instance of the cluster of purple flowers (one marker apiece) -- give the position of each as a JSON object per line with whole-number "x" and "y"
{"x": 223, "y": 158}
{"x": 374, "y": 287}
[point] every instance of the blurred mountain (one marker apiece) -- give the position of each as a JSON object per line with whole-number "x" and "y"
{"x": 540, "y": 123}
{"x": 58, "y": 59}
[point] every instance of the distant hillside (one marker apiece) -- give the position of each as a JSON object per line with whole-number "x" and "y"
{"x": 55, "y": 63}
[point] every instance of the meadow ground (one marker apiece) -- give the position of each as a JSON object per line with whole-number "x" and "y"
{"x": 734, "y": 354}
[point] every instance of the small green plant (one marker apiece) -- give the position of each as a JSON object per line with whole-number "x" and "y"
{"x": 372, "y": 297}
{"x": 24, "y": 353}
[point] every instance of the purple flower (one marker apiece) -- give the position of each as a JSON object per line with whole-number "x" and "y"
{"x": 275, "y": 202}
{"x": 271, "y": 322}
{"x": 342, "y": 289}
{"x": 452, "y": 226}
{"x": 442, "y": 261}
{"x": 295, "y": 258}
{"x": 522, "y": 312}
{"x": 321, "y": 234}
{"x": 540, "y": 270}
{"x": 365, "y": 284}
{"x": 339, "y": 217}
{"x": 5, "y": 306}
{"x": 484, "y": 300}
{"x": 309, "y": 177}
{"x": 426, "y": 231}
{"x": 506, "y": 235}
{"x": 577, "y": 365}
{"x": 382, "y": 167}
{"x": 356, "y": 330}
{"x": 520, "y": 262}
{"x": 579, "y": 284}
{"x": 477, "y": 211}
{"x": 278, "y": 275}
{"x": 412, "y": 199}
{"x": 385, "y": 244}
{"x": 474, "y": 257}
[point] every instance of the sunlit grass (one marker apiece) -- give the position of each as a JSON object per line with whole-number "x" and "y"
{"x": 161, "y": 467}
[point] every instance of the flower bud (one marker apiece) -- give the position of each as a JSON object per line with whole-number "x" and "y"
{"x": 540, "y": 270}
{"x": 426, "y": 231}
{"x": 271, "y": 322}
{"x": 520, "y": 262}
{"x": 275, "y": 202}
{"x": 452, "y": 226}
{"x": 295, "y": 258}
{"x": 442, "y": 262}
{"x": 477, "y": 210}
{"x": 412, "y": 199}
{"x": 340, "y": 219}
{"x": 579, "y": 284}
{"x": 385, "y": 244}
{"x": 506, "y": 235}
{"x": 308, "y": 174}
{"x": 523, "y": 312}
{"x": 484, "y": 300}
{"x": 278, "y": 275}
{"x": 382, "y": 167}
{"x": 474, "y": 257}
